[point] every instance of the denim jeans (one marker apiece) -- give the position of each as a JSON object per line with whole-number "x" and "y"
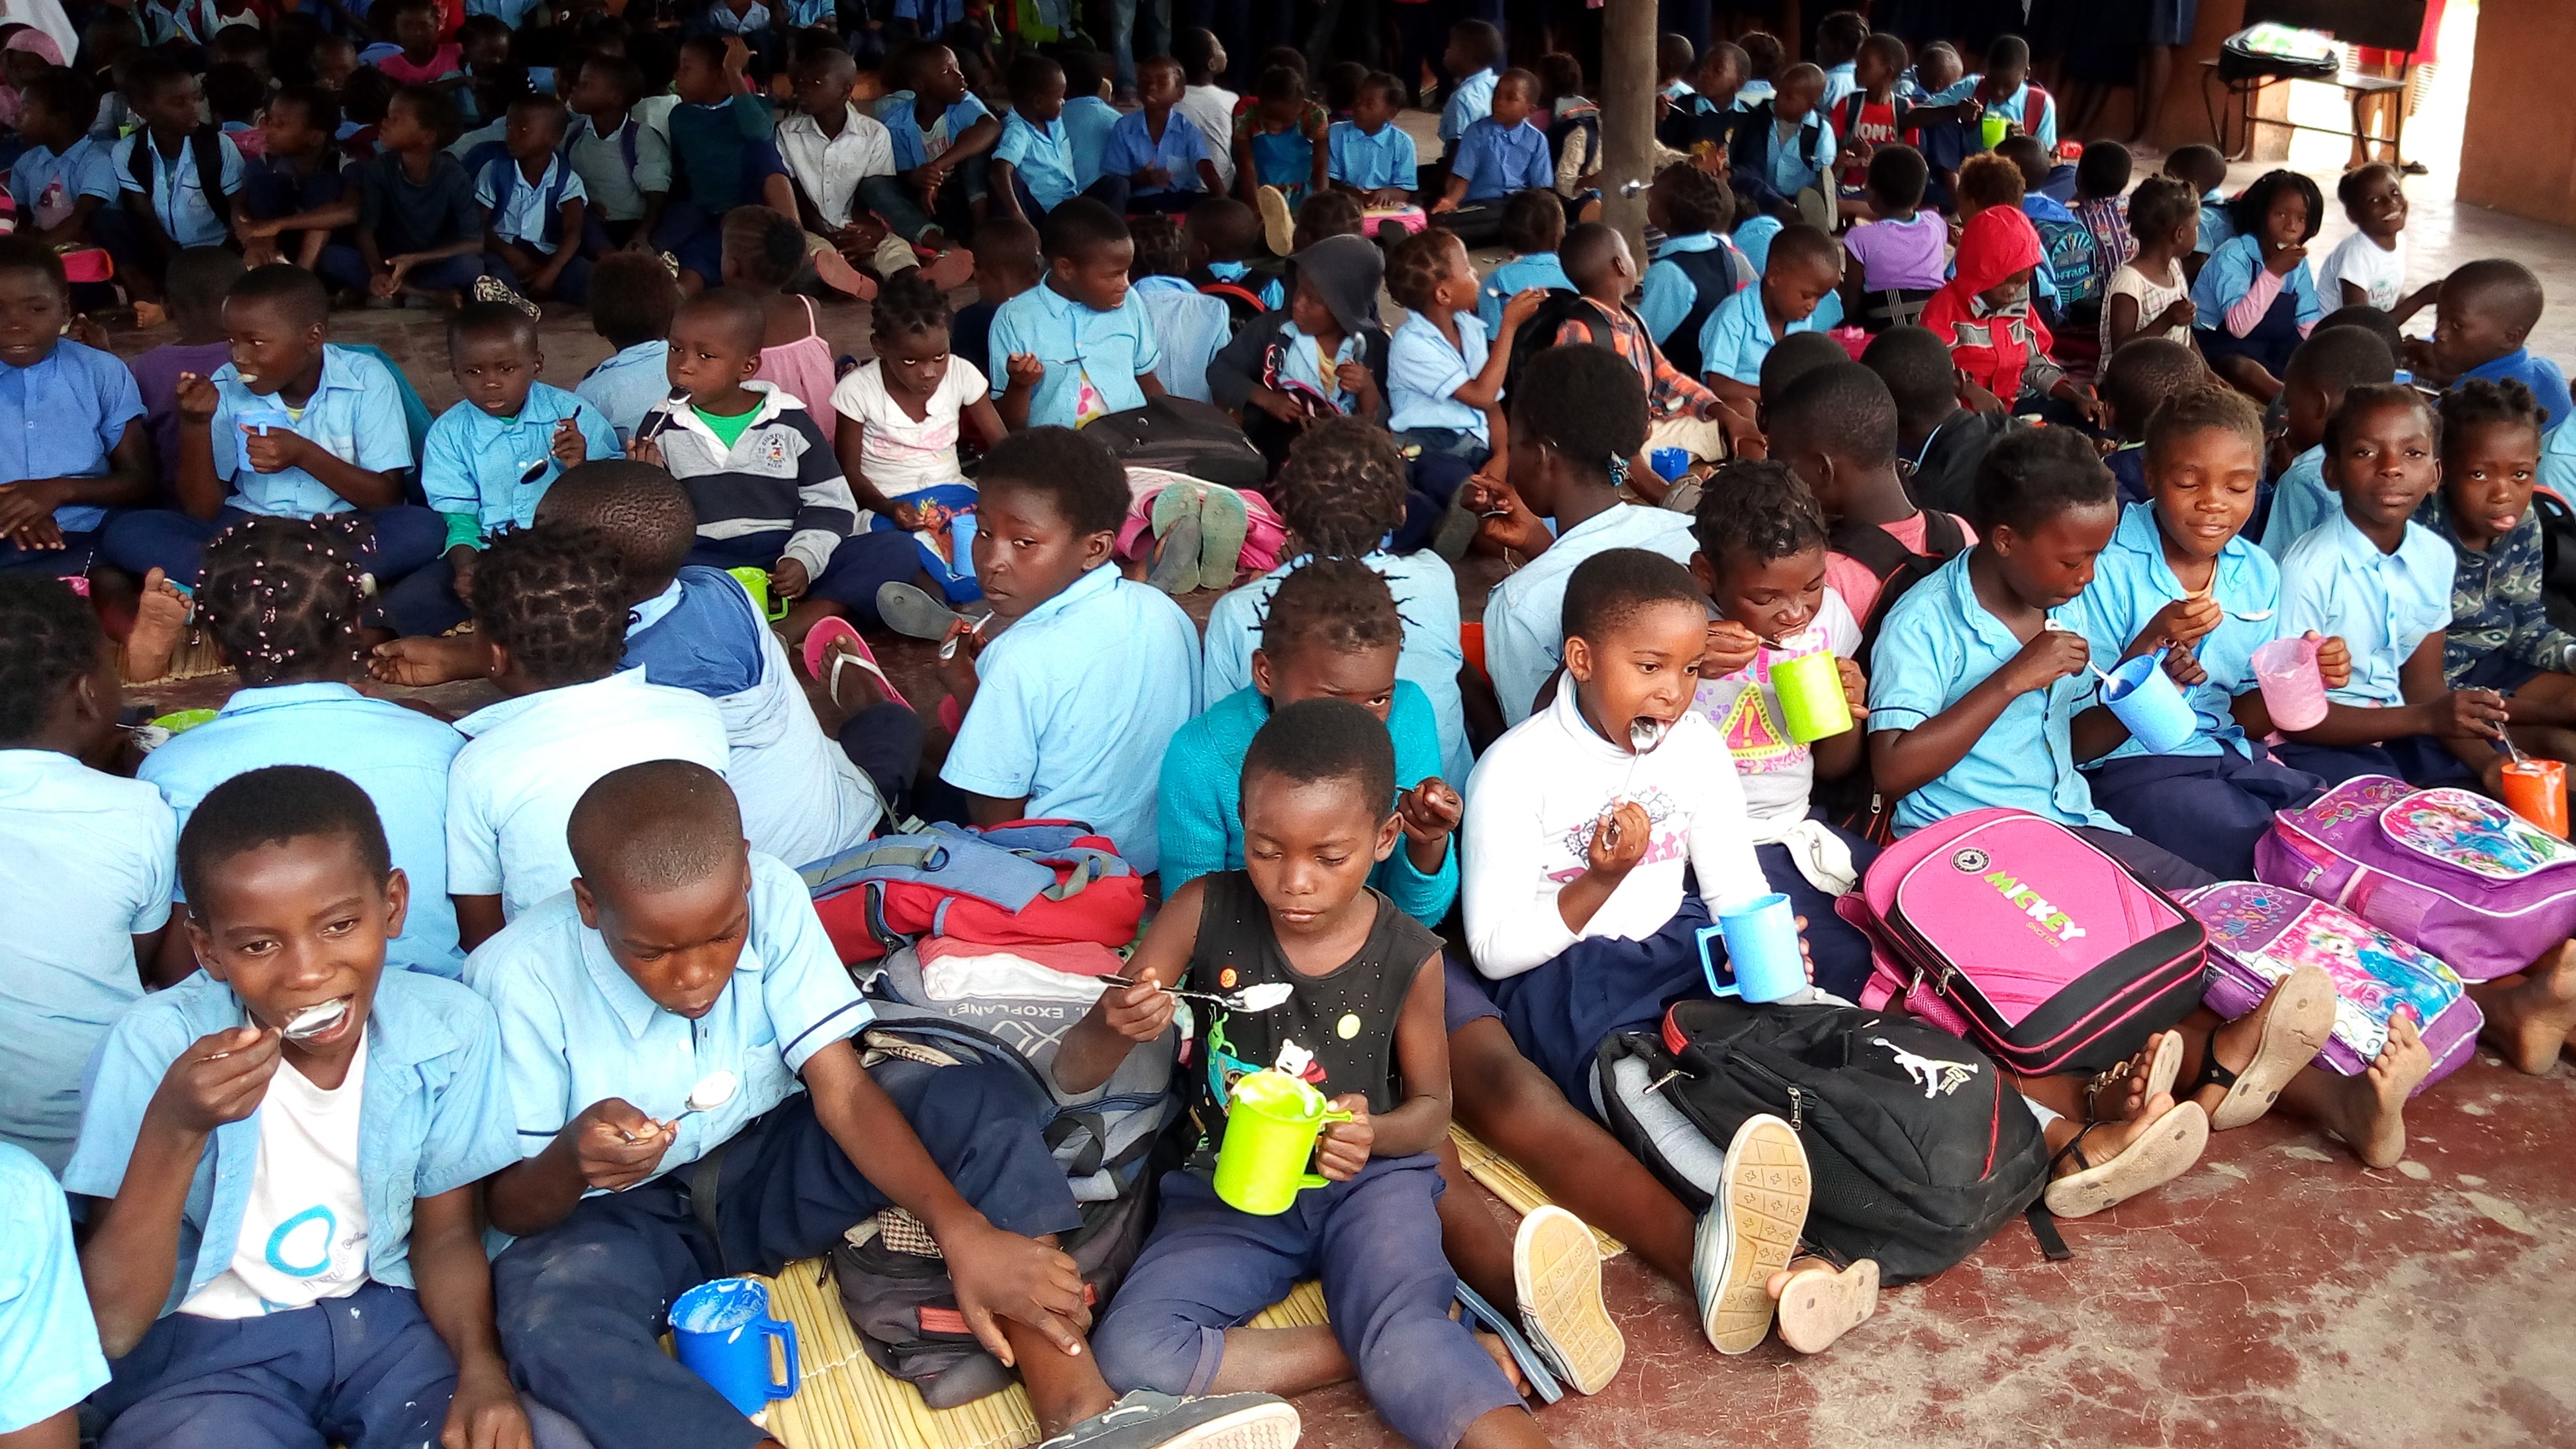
{"x": 1124, "y": 17}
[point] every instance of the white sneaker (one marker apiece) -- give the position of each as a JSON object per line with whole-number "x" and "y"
{"x": 1749, "y": 1233}
{"x": 1556, "y": 1274}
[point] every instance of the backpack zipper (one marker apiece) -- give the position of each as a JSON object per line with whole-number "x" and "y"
{"x": 1797, "y": 1095}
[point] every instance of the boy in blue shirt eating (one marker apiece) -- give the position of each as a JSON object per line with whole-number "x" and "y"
{"x": 1500, "y": 154}
{"x": 76, "y": 441}
{"x": 288, "y": 1146}
{"x": 1079, "y": 344}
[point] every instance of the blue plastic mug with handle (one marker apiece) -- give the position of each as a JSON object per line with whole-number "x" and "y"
{"x": 722, "y": 1331}
{"x": 2146, "y": 699}
{"x": 1761, "y": 939}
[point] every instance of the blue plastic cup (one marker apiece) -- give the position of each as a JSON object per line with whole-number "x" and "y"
{"x": 1761, "y": 939}
{"x": 722, "y": 1331}
{"x": 2147, "y": 700}
{"x": 1669, "y": 463}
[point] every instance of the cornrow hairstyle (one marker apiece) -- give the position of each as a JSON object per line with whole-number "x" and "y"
{"x": 1160, "y": 249}
{"x": 1898, "y": 174}
{"x": 1759, "y": 509}
{"x": 1614, "y": 585}
{"x": 1419, "y": 263}
{"x": 909, "y": 302}
{"x": 490, "y": 319}
{"x": 273, "y": 806}
{"x": 1315, "y": 740}
{"x": 2369, "y": 397}
{"x": 1533, "y": 221}
{"x": 768, "y": 247}
{"x": 281, "y": 598}
{"x": 1694, "y": 200}
{"x": 2031, "y": 475}
{"x": 2161, "y": 204}
{"x": 2203, "y": 408}
{"x": 2479, "y": 403}
{"x": 1078, "y": 472}
{"x": 1585, "y": 403}
{"x": 25, "y": 252}
{"x": 49, "y": 641}
{"x": 2249, "y": 210}
{"x": 1342, "y": 489}
{"x": 1990, "y": 179}
{"x": 1338, "y": 603}
{"x": 640, "y": 512}
{"x": 556, "y": 599}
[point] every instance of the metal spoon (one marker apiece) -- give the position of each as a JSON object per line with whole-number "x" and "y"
{"x": 712, "y": 1091}
{"x": 311, "y": 1021}
{"x": 1259, "y": 997}
{"x": 2054, "y": 627}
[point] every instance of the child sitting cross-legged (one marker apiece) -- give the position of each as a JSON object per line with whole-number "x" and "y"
{"x": 2254, "y": 300}
{"x": 1322, "y": 355}
{"x": 1370, "y": 154}
{"x": 1984, "y": 313}
{"x": 1444, "y": 372}
{"x": 74, "y": 416}
{"x": 677, "y": 953}
{"x": 1897, "y": 258}
{"x": 903, "y": 411}
{"x": 533, "y": 203}
{"x": 288, "y": 1147}
{"x": 1362, "y": 1022}
{"x": 1503, "y": 152}
{"x": 841, "y": 163}
{"x": 299, "y": 190}
{"x": 1161, "y": 153}
{"x": 420, "y": 233}
{"x": 1077, "y": 345}
{"x": 722, "y": 156}
{"x": 171, "y": 202}
{"x": 1032, "y": 169}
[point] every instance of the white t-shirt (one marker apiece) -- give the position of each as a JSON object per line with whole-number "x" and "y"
{"x": 304, "y": 1229}
{"x": 1211, "y": 109}
{"x": 2153, "y": 298}
{"x": 1776, "y": 771}
{"x": 2360, "y": 261}
{"x": 900, "y": 455}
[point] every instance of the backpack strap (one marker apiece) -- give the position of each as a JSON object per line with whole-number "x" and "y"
{"x": 1942, "y": 536}
{"x": 208, "y": 142}
{"x": 1874, "y": 548}
{"x": 502, "y": 175}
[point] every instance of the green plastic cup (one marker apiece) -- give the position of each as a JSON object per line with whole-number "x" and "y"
{"x": 1810, "y": 687}
{"x": 1995, "y": 128}
{"x": 756, "y": 583}
{"x": 1271, "y": 1125}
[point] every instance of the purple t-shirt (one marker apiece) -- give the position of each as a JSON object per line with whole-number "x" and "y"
{"x": 156, "y": 373}
{"x": 1911, "y": 255}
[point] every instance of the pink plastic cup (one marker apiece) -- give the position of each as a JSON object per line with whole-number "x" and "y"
{"x": 2293, "y": 689}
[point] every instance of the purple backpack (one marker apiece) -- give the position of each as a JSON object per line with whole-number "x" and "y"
{"x": 2453, "y": 874}
{"x": 2261, "y": 933}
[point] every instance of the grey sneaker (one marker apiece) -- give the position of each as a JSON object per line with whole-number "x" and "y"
{"x": 1144, "y": 1419}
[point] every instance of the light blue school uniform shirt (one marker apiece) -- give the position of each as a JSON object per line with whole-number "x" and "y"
{"x": 1471, "y": 102}
{"x": 1426, "y": 598}
{"x": 1753, "y": 238}
{"x": 2300, "y": 501}
{"x": 1785, "y": 163}
{"x": 1937, "y": 643}
{"x": 1131, "y": 147}
{"x": 434, "y": 1115}
{"x": 1737, "y": 336}
{"x": 2014, "y": 108}
{"x": 2558, "y": 460}
{"x": 626, "y": 386}
{"x": 1525, "y": 614}
{"x": 49, "y": 1354}
{"x": 1370, "y": 162}
{"x": 1106, "y": 351}
{"x": 1538, "y": 269}
{"x": 1087, "y": 121}
{"x": 903, "y": 127}
{"x": 356, "y": 413}
{"x": 41, "y": 179}
{"x": 1840, "y": 81}
{"x": 721, "y": 19}
{"x": 2217, "y": 226}
{"x": 933, "y": 16}
{"x": 476, "y": 463}
{"x": 1301, "y": 360}
{"x": 525, "y": 218}
{"x": 2382, "y": 605}
{"x": 1078, "y": 700}
{"x": 1042, "y": 156}
{"x": 2547, "y": 383}
{"x": 2229, "y": 274}
{"x": 398, "y": 756}
{"x": 1497, "y": 162}
{"x": 575, "y": 1028}
{"x": 1191, "y": 326}
{"x": 59, "y": 418}
{"x": 806, "y": 14}
{"x": 2131, "y": 581}
{"x": 1669, "y": 292}
{"x": 178, "y": 194}
{"x": 88, "y": 862}
{"x": 1423, "y": 372}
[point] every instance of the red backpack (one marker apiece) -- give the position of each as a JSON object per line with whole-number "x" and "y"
{"x": 1025, "y": 882}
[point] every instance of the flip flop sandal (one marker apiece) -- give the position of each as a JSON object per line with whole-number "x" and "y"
{"x": 1820, "y": 1305}
{"x": 1534, "y": 1370}
{"x": 2164, "y": 1152}
{"x": 1224, "y": 522}
{"x": 913, "y": 613}
{"x": 2162, "y": 1069}
{"x": 1175, "y": 569}
{"x": 2295, "y": 1026}
{"x": 818, "y": 643}
{"x": 1556, "y": 1274}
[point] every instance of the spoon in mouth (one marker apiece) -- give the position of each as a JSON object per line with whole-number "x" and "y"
{"x": 311, "y": 1021}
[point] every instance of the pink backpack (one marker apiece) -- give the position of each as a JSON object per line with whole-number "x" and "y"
{"x": 2261, "y": 933}
{"x": 2017, "y": 934}
{"x": 2453, "y": 874}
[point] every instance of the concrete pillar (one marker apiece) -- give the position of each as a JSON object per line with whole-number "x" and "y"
{"x": 1627, "y": 115}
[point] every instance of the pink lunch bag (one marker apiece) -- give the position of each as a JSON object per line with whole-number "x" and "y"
{"x": 2261, "y": 933}
{"x": 1408, "y": 219}
{"x": 2017, "y": 934}
{"x": 2453, "y": 874}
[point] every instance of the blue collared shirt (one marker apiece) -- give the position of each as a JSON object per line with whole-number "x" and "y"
{"x": 2300, "y": 501}
{"x": 903, "y": 127}
{"x": 2229, "y": 274}
{"x": 1423, "y": 372}
{"x": 1371, "y": 162}
{"x": 1784, "y": 163}
{"x": 1041, "y": 155}
{"x": 49, "y": 1357}
{"x": 1669, "y": 292}
{"x": 2131, "y": 581}
{"x": 1301, "y": 360}
{"x": 435, "y": 1115}
{"x": 2217, "y": 226}
{"x": 2547, "y": 383}
{"x": 1079, "y": 699}
{"x": 479, "y": 464}
{"x": 1497, "y": 162}
{"x": 87, "y": 863}
{"x": 60, "y": 418}
{"x": 178, "y": 195}
{"x": 511, "y": 12}
{"x": 2014, "y": 107}
{"x": 1939, "y": 642}
{"x": 626, "y": 386}
{"x": 2558, "y": 460}
{"x": 2382, "y": 605}
{"x": 527, "y": 215}
{"x": 1471, "y": 102}
{"x": 1131, "y": 148}
{"x": 1737, "y": 336}
{"x": 1191, "y": 327}
{"x": 576, "y": 1029}
{"x": 356, "y": 414}
{"x": 1840, "y": 81}
{"x": 1525, "y": 615}
{"x": 398, "y": 756}
{"x": 722, "y": 20}
{"x": 1087, "y": 121}
{"x": 1538, "y": 269}
{"x": 45, "y": 183}
{"x": 1101, "y": 353}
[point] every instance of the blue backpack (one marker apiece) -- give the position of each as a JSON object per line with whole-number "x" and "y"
{"x": 2072, "y": 261}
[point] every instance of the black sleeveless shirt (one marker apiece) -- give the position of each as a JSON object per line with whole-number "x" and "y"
{"x": 1343, "y": 1020}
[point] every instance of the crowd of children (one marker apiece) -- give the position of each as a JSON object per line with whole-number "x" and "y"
{"x": 358, "y": 1050}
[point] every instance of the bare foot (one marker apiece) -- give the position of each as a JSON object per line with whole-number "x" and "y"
{"x": 2528, "y": 1018}
{"x": 2369, "y": 1111}
{"x": 2122, "y": 1093}
{"x": 2116, "y": 1161}
{"x": 160, "y": 618}
{"x": 1502, "y": 1357}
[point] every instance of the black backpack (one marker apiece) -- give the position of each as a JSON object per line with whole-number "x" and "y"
{"x": 1182, "y": 436}
{"x": 1896, "y": 567}
{"x": 1916, "y": 1144}
{"x": 144, "y": 162}
{"x": 1712, "y": 272}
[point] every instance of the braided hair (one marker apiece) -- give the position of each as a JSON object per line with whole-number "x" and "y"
{"x": 1342, "y": 488}
{"x": 1339, "y": 603}
{"x": 49, "y": 640}
{"x": 910, "y": 302}
{"x": 555, "y": 598}
{"x": 1759, "y": 508}
{"x": 1419, "y": 263}
{"x": 280, "y": 596}
{"x": 2478, "y": 403}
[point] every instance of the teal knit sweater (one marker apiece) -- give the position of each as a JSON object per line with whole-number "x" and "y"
{"x": 1201, "y": 820}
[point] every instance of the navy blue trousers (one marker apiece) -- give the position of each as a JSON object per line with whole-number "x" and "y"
{"x": 2208, "y": 809}
{"x": 401, "y": 540}
{"x": 1559, "y": 1012}
{"x": 366, "y": 1371}
{"x": 1375, "y": 1243}
{"x": 582, "y": 1305}
{"x": 69, "y": 561}
{"x": 861, "y": 563}
{"x": 2419, "y": 760}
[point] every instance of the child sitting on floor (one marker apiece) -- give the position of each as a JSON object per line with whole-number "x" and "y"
{"x": 2368, "y": 268}
{"x": 1032, "y": 165}
{"x": 1897, "y": 260}
{"x": 1444, "y": 374}
{"x": 619, "y": 156}
{"x": 1158, "y": 150}
{"x": 1985, "y": 314}
{"x": 1533, "y": 228}
{"x": 2148, "y": 295}
{"x": 636, "y": 299}
{"x": 76, "y": 418}
{"x": 1782, "y": 150}
{"x": 534, "y": 203}
{"x": 762, "y": 254}
{"x": 1323, "y": 355}
{"x": 607, "y": 1038}
{"x": 1190, "y": 325}
{"x": 64, "y": 175}
{"x": 2255, "y": 300}
{"x": 1280, "y": 151}
{"x": 1224, "y": 240}
{"x": 298, "y": 191}
{"x": 1603, "y": 272}
{"x": 419, "y": 232}
{"x": 211, "y": 1135}
{"x": 1369, "y": 153}
{"x": 194, "y": 294}
{"x": 1696, "y": 269}
{"x": 1504, "y": 152}
{"x": 2325, "y": 368}
{"x": 902, "y": 412}
{"x": 1944, "y": 440}
{"x": 1006, "y": 264}
{"x": 723, "y": 155}
{"x": 1078, "y": 345}
{"x": 2486, "y": 311}
{"x": 941, "y": 138}
{"x": 171, "y": 202}
{"x": 1837, "y": 429}
{"x": 1802, "y": 269}
{"x": 2136, "y": 380}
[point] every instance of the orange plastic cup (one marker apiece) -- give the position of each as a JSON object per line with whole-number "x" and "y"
{"x": 2536, "y": 790}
